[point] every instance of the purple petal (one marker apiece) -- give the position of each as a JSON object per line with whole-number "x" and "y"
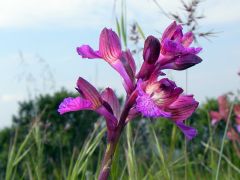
{"x": 87, "y": 52}
{"x": 111, "y": 120}
{"x": 145, "y": 71}
{"x": 183, "y": 107}
{"x": 177, "y": 36}
{"x": 109, "y": 45}
{"x": 169, "y": 31}
{"x": 187, "y": 61}
{"x": 128, "y": 56}
{"x": 147, "y": 106}
{"x": 183, "y": 62}
{"x": 193, "y": 50}
{"x": 188, "y": 131}
{"x": 109, "y": 96}
{"x": 127, "y": 67}
{"x": 74, "y": 104}
{"x": 126, "y": 75}
{"x": 187, "y": 39}
{"x": 174, "y": 48}
{"x": 171, "y": 48}
{"x": 89, "y": 92}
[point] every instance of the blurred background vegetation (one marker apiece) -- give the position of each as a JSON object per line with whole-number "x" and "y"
{"x": 43, "y": 145}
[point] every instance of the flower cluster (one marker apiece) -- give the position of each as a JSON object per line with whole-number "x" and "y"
{"x": 148, "y": 93}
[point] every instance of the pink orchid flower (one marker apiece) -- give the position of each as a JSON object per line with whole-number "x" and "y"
{"x": 223, "y": 112}
{"x": 164, "y": 99}
{"x": 110, "y": 50}
{"x": 237, "y": 118}
{"x": 106, "y": 104}
{"x": 175, "y": 52}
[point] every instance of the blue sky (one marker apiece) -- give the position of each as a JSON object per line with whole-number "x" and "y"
{"x": 40, "y": 36}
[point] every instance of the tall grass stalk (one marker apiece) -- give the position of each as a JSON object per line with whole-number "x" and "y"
{"x": 160, "y": 151}
{"x": 93, "y": 141}
{"x": 223, "y": 139}
{"x": 237, "y": 169}
{"x": 130, "y": 155}
{"x": 173, "y": 142}
{"x": 16, "y": 155}
{"x": 185, "y": 141}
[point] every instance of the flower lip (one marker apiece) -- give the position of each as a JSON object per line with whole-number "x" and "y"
{"x": 163, "y": 92}
{"x": 146, "y": 105}
{"x": 74, "y": 104}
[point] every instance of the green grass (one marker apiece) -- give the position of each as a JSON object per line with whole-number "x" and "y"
{"x": 135, "y": 158}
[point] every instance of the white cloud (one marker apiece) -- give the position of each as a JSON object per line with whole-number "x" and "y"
{"x": 22, "y": 13}
{"x": 222, "y": 11}
{"x": 38, "y": 13}
{"x": 8, "y": 98}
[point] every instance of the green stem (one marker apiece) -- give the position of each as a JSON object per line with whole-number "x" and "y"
{"x": 173, "y": 142}
{"x": 113, "y": 141}
{"x": 185, "y": 142}
{"x": 108, "y": 158}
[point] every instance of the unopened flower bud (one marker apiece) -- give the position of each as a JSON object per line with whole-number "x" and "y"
{"x": 151, "y": 49}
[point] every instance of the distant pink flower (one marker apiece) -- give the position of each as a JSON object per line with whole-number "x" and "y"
{"x": 237, "y": 118}
{"x": 222, "y": 113}
{"x": 232, "y": 135}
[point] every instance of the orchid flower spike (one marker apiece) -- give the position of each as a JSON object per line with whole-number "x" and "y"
{"x": 147, "y": 93}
